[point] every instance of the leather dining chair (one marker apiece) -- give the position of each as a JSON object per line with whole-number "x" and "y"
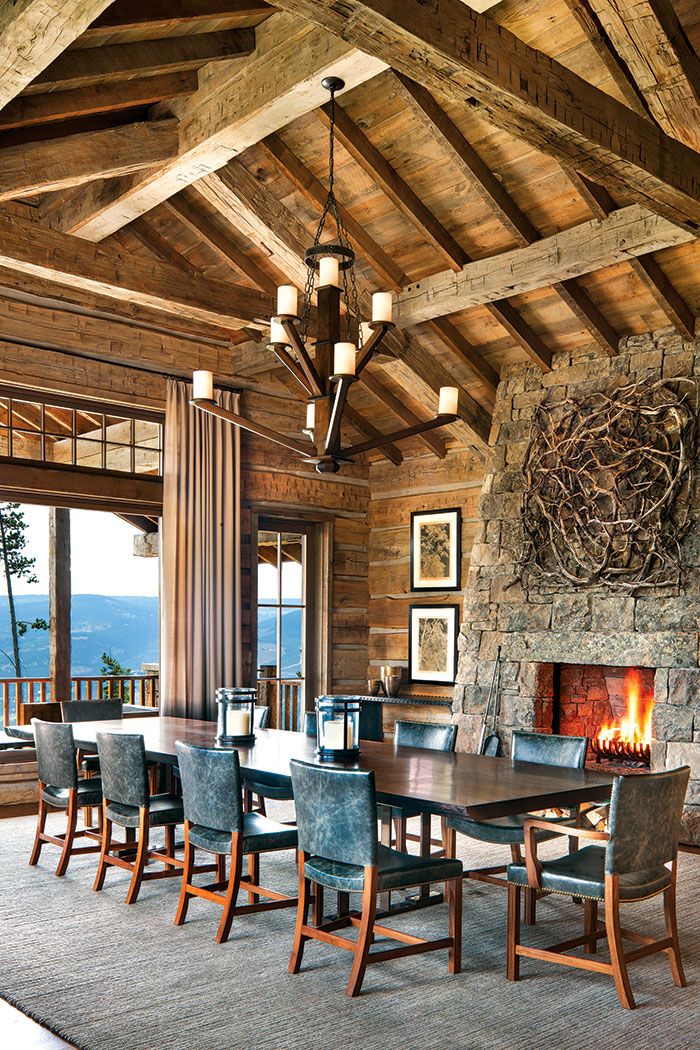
{"x": 216, "y": 823}
{"x": 338, "y": 849}
{"x": 61, "y": 788}
{"x": 310, "y": 724}
{"x": 544, "y": 749}
{"x": 261, "y": 716}
{"x": 128, "y": 803}
{"x": 432, "y": 737}
{"x": 635, "y": 860}
{"x": 90, "y": 711}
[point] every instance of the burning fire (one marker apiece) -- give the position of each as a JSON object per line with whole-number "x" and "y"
{"x": 634, "y": 731}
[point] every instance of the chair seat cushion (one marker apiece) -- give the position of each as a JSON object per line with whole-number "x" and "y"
{"x": 582, "y": 874}
{"x": 396, "y": 870}
{"x": 260, "y": 835}
{"x": 90, "y": 764}
{"x": 89, "y": 794}
{"x": 275, "y": 790}
{"x": 164, "y": 809}
{"x": 505, "y": 830}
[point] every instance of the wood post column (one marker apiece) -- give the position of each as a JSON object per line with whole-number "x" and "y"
{"x": 59, "y": 603}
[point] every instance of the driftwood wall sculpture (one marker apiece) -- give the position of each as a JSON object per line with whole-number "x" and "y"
{"x": 608, "y": 486}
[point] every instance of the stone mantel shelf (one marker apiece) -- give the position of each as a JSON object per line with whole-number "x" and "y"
{"x": 614, "y": 648}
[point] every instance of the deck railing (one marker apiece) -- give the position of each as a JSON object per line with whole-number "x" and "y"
{"x": 286, "y": 700}
{"x": 140, "y": 689}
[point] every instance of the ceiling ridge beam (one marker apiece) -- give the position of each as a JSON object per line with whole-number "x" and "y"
{"x": 154, "y": 14}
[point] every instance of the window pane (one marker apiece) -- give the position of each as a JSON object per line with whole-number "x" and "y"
{"x": 118, "y": 457}
{"x": 88, "y": 453}
{"x": 26, "y": 445}
{"x": 292, "y": 576}
{"x": 147, "y": 461}
{"x": 4, "y": 412}
{"x": 267, "y": 643}
{"x": 59, "y": 450}
{"x": 292, "y": 634}
{"x": 89, "y": 424}
{"x": 118, "y": 429}
{"x": 26, "y": 415}
{"x": 147, "y": 433}
{"x": 267, "y": 567}
{"x": 4, "y": 442}
{"x": 58, "y": 420}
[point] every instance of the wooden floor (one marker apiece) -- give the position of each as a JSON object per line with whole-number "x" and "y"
{"x": 21, "y": 1033}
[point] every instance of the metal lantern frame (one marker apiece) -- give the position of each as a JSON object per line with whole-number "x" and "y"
{"x": 235, "y": 699}
{"x": 328, "y": 709}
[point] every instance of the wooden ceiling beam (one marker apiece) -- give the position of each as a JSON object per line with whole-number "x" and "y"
{"x": 33, "y": 33}
{"x": 472, "y": 60}
{"x": 492, "y": 191}
{"x": 623, "y": 235}
{"x": 315, "y": 192}
{"x": 103, "y": 65}
{"x": 185, "y": 211}
{"x": 25, "y": 247}
{"x": 236, "y": 105}
{"x": 55, "y": 164}
{"x": 650, "y": 40}
{"x": 667, "y": 298}
{"x": 155, "y": 16}
{"x": 590, "y": 23}
{"x": 150, "y": 238}
{"x": 28, "y": 110}
{"x": 467, "y": 354}
{"x": 387, "y": 397}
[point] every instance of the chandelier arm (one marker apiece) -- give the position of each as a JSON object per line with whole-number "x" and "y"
{"x": 370, "y": 347}
{"x": 332, "y": 442}
{"x": 398, "y": 435}
{"x": 283, "y": 355}
{"x": 303, "y": 448}
{"x": 305, "y": 360}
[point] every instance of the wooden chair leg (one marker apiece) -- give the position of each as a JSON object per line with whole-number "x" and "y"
{"x": 106, "y": 843}
{"x": 141, "y": 855}
{"x": 674, "y": 953}
{"x": 234, "y": 881}
{"x": 221, "y": 867}
{"x": 530, "y": 916}
{"x": 318, "y": 905}
{"x": 364, "y": 940}
{"x": 169, "y": 831}
{"x": 70, "y": 833}
{"x": 590, "y": 925}
{"x": 302, "y": 914}
{"x": 40, "y": 826}
{"x": 183, "y": 902}
{"x": 513, "y": 938}
{"x": 449, "y": 841}
{"x": 400, "y": 834}
{"x": 617, "y": 954}
{"x": 253, "y": 876}
{"x": 453, "y": 890}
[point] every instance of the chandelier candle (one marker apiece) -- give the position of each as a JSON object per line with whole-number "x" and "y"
{"x": 202, "y": 386}
{"x": 327, "y": 272}
{"x": 287, "y": 300}
{"x": 344, "y": 359}
{"x": 449, "y": 398}
{"x": 382, "y": 304}
{"x": 311, "y": 415}
{"x": 277, "y": 333}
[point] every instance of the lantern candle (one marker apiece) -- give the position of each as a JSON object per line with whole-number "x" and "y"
{"x": 344, "y": 359}
{"x": 334, "y": 735}
{"x": 287, "y": 300}
{"x": 327, "y": 271}
{"x": 202, "y": 385}
{"x": 310, "y": 415}
{"x": 277, "y": 333}
{"x": 381, "y": 306}
{"x": 447, "y": 404}
{"x": 237, "y": 723}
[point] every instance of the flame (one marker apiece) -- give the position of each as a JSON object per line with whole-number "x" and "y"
{"x": 635, "y": 727}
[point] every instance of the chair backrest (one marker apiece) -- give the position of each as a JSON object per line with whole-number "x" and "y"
{"x": 310, "y": 723}
{"x": 645, "y": 820}
{"x": 211, "y": 786}
{"x": 55, "y": 754}
{"x": 261, "y": 716}
{"x": 91, "y": 710}
{"x": 428, "y": 735}
{"x": 123, "y": 768}
{"x": 49, "y": 711}
{"x": 336, "y": 812}
{"x": 550, "y": 750}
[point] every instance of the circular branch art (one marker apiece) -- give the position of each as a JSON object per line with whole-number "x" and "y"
{"x": 608, "y": 487}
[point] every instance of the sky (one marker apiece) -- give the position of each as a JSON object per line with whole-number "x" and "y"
{"x": 102, "y": 559}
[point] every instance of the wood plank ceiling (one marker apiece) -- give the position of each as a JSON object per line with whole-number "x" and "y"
{"x": 189, "y": 138}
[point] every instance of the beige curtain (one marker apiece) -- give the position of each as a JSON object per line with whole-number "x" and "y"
{"x": 200, "y": 556}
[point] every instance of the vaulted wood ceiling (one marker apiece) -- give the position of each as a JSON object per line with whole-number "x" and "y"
{"x": 533, "y": 190}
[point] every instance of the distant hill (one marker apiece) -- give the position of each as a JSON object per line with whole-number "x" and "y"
{"x": 124, "y": 626}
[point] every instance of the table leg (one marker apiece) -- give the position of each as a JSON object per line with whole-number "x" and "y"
{"x": 385, "y": 839}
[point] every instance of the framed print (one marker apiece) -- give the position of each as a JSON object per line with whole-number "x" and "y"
{"x": 432, "y": 643}
{"x": 436, "y": 549}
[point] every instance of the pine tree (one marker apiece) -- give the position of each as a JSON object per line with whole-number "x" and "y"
{"x": 16, "y": 565}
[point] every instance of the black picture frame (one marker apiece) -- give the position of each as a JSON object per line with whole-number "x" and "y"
{"x": 448, "y": 612}
{"x": 453, "y": 581}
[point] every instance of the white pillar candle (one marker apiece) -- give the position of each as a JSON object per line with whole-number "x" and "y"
{"x": 310, "y": 415}
{"x": 344, "y": 359}
{"x": 447, "y": 404}
{"x": 237, "y": 723}
{"x": 287, "y": 299}
{"x": 366, "y": 332}
{"x": 382, "y": 306}
{"x": 202, "y": 385}
{"x": 327, "y": 271}
{"x": 333, "y": 736}
{"x": 277, "y": 333}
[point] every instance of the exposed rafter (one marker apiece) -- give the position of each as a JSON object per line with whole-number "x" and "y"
{"x": 382, "y": 392}
{"x": 149, "y": 17}
{"x": 589, "y": 22}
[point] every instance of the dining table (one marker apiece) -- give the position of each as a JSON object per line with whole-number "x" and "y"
{"x": 429, "y": 782}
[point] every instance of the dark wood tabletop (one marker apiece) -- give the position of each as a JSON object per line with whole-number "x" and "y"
{"x": 433, "y": 781}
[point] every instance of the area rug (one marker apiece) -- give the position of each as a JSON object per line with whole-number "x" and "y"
{"x": 109, "y": 977}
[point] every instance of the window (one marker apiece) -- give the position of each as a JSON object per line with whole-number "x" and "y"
{"x": 77, "y": 434}
{"x": 284, "y": 614}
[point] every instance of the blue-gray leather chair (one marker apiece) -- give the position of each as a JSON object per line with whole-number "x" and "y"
{"x": 61, "y": 788}
{"x": 90, "y": 711}
{"x": 633, "y": 861}
{"x": 215, "y": 822}
{"x": 544, "y": 749}
{"x": 338, "y": 849}
{"x": 261, "y": 716}
{"x": 310, "y": 723}
{"x": 432, "y": 737}
{"x": 128, "y": 802}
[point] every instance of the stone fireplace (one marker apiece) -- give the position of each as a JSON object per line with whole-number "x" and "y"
{"x": 591, "y": 637}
